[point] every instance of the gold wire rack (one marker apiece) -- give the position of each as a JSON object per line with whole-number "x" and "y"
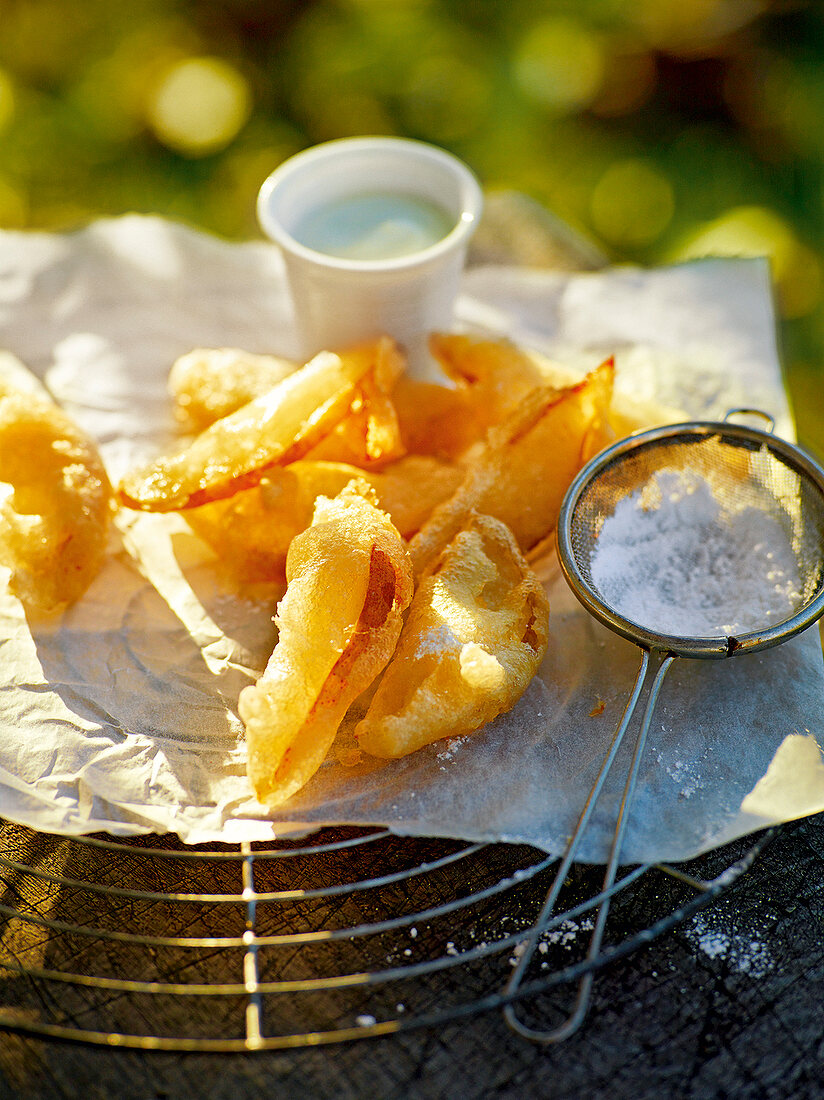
{"x": 351, "y": 933}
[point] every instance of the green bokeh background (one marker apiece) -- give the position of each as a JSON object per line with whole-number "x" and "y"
{"x": 659, "y": 129}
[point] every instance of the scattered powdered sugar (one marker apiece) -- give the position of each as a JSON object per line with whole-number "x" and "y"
{"x": 567, "y": 930}
{"x": 436, "y": 642}
{"x": 517, "y": 953}
{"x": 682, "y": 773}
{"x": 451, "y": 749}
{"x": 675, "y": 560}
{"x": 564, "y": 935}
{"x": 743, "y": 952}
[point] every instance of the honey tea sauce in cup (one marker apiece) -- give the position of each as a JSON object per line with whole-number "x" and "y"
{"x": 374, "y": 233}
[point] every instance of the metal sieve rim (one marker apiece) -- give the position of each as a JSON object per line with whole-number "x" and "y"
{"x": 718, "y": 646}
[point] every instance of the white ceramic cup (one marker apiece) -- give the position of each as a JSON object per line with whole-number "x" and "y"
{"x": 340, "y": 301}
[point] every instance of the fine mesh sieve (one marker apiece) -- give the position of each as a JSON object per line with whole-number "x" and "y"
{"x": 701, "y": 540}
{"x": 752, "y": 485}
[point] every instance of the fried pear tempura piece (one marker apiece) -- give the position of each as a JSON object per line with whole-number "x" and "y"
{"x": 370, "y": 434}
{"x": 250, "y": 532}
{"x": 209, "y": 383}
{"x": 412, "y": 487}
{"x": 276, "y": 428}
{"x": 489, "y": 378}
{"x": 524, "y": 468}
{"x": 55, "y": 502}
{"x": 435, "y": 419}
{"x": 495, "y": 374}
{"x": 349, "y": 583}
{"x": 474, "y": 637}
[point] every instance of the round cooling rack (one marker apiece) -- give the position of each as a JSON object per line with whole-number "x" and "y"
{"x": 148, "y": 944}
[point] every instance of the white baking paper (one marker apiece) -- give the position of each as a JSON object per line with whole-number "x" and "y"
{"x": 121, "y": 715}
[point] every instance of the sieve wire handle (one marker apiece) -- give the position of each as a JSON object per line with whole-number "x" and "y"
{"x": 649, "y": 659}
{"x": 741, "y": 410}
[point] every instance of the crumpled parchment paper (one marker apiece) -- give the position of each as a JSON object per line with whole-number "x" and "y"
{"x": 121, "y": 715}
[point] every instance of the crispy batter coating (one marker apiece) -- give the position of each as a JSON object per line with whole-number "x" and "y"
{"x": 475, "y": 635}
{"x": 210, "y": 383}
{"x": 369, "y": 436}
{"x": 251, "y": 531}
{"x": 521, "y": 473}
{"x": 276, "y": 428}
{"x": 207, "y": 384}
{"x": 435, "y": 419}
{"x": 55, "y": 503}
{"x": 495, "y": 374}
{"x": 488, "y": 378}
{"x": 349, "y": 583}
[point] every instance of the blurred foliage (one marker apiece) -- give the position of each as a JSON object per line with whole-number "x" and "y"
{"x": 661, "y": 129}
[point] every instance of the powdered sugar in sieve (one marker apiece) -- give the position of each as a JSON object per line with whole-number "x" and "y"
{"x": 676, "y": 559}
